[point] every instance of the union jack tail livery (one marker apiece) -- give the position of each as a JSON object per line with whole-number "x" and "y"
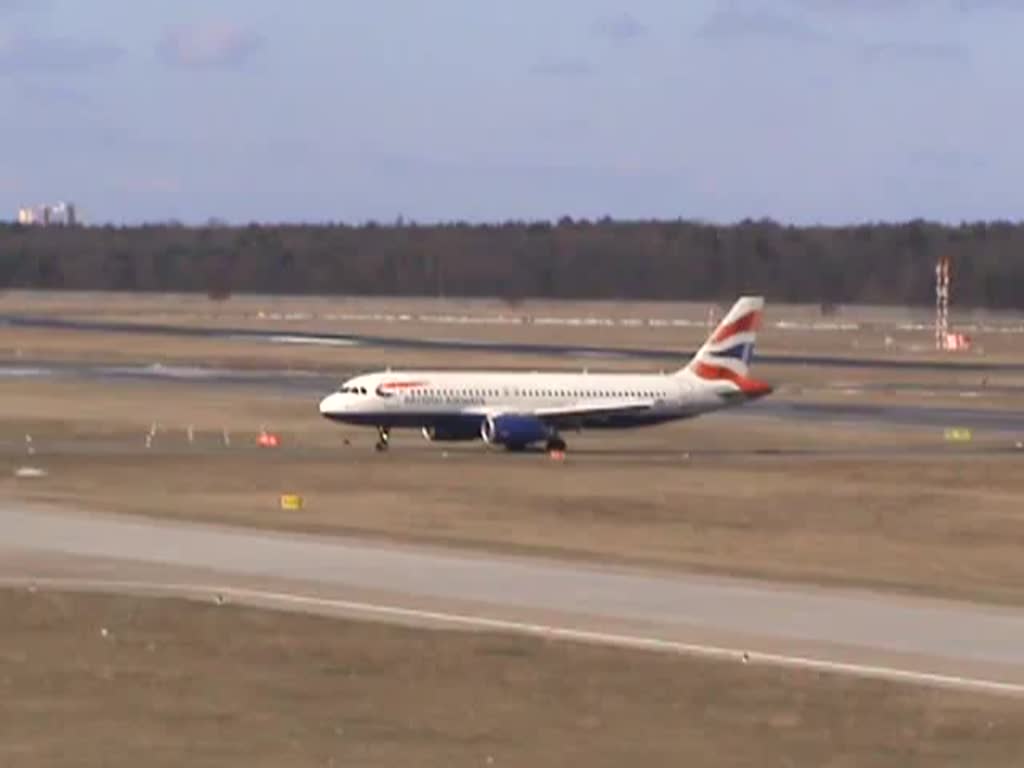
{"x": 727, "y": 354}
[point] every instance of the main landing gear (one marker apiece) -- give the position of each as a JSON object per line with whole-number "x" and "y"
{"x": 383, "y": 436}
{"x": 555, "y": 445}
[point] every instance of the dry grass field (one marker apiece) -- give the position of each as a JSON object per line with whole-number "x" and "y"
{"x": 123, "y": 681}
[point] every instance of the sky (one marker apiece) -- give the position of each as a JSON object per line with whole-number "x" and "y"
{"x": 805, "y": 111}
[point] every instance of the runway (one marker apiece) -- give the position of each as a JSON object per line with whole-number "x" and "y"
{"x": 547, "y": 350}
{"x": 312, "y": 384}
{"x": 853, "y": 632}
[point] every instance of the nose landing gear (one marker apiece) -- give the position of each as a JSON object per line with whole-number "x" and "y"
{"x": 383, "y": 437}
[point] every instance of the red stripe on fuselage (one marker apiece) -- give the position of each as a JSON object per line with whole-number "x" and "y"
{"x": 749, "y": 322}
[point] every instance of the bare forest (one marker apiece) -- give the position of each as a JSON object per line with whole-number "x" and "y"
{"x": 605, "y": 259}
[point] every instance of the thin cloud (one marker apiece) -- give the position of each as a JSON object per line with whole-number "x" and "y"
{"x": 621, "y": 28}
{"x": 902, "y": 6}
{"x": 10, "y": 6}
{"x": 562, "y": 66}
{"x": 948, "y": 53}
{"x": 859, "y": 6}
{"x": 55, "y": 54}
{"x": 967, "y": 6}
{"x": 947, "y": 160}
{"x": 734, "y": 20}
{"x": 209, "y": 46}
{"x": 54, "y": 94}
{"x": 148, "y": 184}
{"x": 731, "y": 21}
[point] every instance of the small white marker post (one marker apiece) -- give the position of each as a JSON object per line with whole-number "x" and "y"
{"x": 191, "y": 434}
{"x": 30, "y": 448}
{"x": 227, "y": 437}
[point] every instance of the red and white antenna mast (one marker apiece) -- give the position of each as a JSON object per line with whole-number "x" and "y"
{"x": 941, "y": 302}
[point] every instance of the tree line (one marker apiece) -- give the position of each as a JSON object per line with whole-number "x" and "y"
{"x": 605, "y": 259}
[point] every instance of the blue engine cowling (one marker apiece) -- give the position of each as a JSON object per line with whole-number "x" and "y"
{"x": 451, "y": 433}
{"x": 514, "y": 431}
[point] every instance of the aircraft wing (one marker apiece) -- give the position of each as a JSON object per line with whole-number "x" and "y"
{"x": 567, "y": 415}
{"x": 575, "y": 411}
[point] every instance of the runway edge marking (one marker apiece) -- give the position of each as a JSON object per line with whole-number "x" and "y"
{"x": 270, "y": 599}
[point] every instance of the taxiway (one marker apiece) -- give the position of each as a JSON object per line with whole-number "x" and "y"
{"x": 854, "y": 632}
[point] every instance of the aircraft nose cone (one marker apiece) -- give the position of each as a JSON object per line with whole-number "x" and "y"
{"x": 329, "y": 404}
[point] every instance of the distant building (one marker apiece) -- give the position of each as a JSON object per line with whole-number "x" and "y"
{"x": 61, "y": 215}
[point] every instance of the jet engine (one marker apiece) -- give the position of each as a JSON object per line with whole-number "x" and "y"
{"x": 450, "y": 433}
{"x": 514, "y": 431}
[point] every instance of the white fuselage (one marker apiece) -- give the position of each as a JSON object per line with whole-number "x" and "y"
{"x": 424, "y": 398}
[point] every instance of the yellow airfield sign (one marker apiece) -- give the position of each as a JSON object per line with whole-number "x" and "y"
{"x": 958, "y": 435}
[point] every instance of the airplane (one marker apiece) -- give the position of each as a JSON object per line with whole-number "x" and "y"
{"x": 518, "y": 410}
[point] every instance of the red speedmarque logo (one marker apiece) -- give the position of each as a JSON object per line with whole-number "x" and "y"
{"x": 388, "y": 388}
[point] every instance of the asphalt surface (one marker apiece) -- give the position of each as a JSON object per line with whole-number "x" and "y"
{"x": 550, "y": 350}
{"x": 311, "y": 384}
{"x": 917, "y": 640}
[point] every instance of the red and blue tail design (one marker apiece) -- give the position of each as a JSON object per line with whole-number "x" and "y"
{"x": 727, "y": 354}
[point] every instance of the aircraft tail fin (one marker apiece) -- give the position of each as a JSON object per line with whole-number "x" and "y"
{"x": 729, "y": 350}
